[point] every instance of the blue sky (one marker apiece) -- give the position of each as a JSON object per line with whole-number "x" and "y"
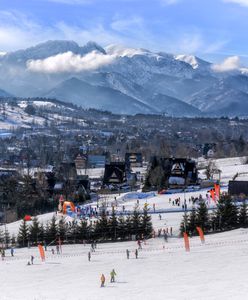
{"x": 212, "y": 29}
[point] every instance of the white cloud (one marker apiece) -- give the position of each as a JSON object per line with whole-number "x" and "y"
{"x": 70, "y": 62}
{"x": 231, "y": 63}
{"x": 240, "y": 2}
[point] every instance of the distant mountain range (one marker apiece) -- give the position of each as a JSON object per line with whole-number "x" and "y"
{"x": 124, "y": 80}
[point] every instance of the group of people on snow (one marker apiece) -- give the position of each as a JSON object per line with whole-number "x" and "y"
{"x": 112, "y": 278}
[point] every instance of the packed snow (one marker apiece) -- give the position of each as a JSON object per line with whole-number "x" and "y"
{"x": 163, "y": 270}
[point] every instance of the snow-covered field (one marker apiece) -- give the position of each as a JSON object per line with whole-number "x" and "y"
{"x": 214, "y": 270}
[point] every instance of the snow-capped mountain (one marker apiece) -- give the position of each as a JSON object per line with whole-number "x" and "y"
{"x": 125, "y": 80}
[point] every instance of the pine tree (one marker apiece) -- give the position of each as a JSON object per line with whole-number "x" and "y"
{"x": 226, "y": 215}
{"x": 121, "y": 230}
{"x": 113, "y": 225}
{"x": 72, "y": 231}
{"x": 1, "y": 236}
{"x": 34, "y": 230}
{"x": 146, "y": 224}
{"x": 13, "y": 240}
{"x": 83, "y": 230}
{"x": 243, "y": 216}
{"x": 101, "y": 228}
{"x": 203, "y": 217}
{"x": 184, "y": 227}
{"x": 6, "y": 238}
{"x": 23, "y": 234}
{"x": 136, "y": 223}
{"x": 192, "y": 222}
{"x": 52, "y": 230}
{"x": 42, "y": 232}
{"x": 62, "y": 229}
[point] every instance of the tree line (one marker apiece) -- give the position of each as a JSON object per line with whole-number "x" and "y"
{"x": 105, "y": 228}
{"x": 227, "y": 216}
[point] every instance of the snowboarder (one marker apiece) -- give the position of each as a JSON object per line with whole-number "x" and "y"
{"x": 128, "y": 252}
{"x": 89, "y": 256}
{"x": 136, "y": 253}
{"x": 112, "y": 276}
{"x": 12, "y": 251}
{"x": 32, "y": 259}
{"x": 102, "y": 280}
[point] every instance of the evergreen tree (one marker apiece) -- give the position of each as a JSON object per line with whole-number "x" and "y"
{"x": 101, "y": 228}
{"x": 202, "y": 216}
{"x": 52, "y": 233}
{"x": 192, "y": 222}
{"x": 122, "y": 229}
{"x": 243, "y": 216}
{"x": 72, "y": 231}
{"x": 13, "y": 240}
{"x": 34, "y": 230}
{"x": 146, "y": 224}
{"x": 23, "y": 234}
{"x": 184, "y": 227}
{"x": 6, "y": 238}
{"x": 1, "y": 236}
{"x": 113, "y": 225}
{"x": 136, "y": 223}
{"x": 226, "y": 215}
{"x": 42, "y": 232}
{"x": 62, "y": 229}
{"x": 83, "y": 230}
{"x": 128, "y": 227}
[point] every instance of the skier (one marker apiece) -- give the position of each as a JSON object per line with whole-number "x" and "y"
{"x": 52, "y": 251}
{"x": 139, "y": 244}
{"x": 57, "y": 249}
{"x": 136, "y": 253}
{"x": 112, "y": 276}
{"x": 127, "y": 251}
{"x": 89, "y": 256}
{"x": 12, "y": 251}
{"x": 160, "y": 217}
{"x": 32, "y": 259}
{"x": 171, "y": 231}
{"x": 102, "y": 280}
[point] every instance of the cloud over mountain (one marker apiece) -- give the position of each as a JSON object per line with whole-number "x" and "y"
{"x": 70, "y": 62}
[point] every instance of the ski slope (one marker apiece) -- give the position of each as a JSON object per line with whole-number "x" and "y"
{"x": 214, "y": 270}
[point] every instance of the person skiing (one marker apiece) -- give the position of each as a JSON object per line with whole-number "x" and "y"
{"x": 128, "y": 252}
{"x": 57, "y": 249}
{"x": 112, "y": 275}
{"x": 12, "y": 251}
{"x": 136, "y": 253}
{"x": 32, "y": 259}
{"x": 139, "y": 244}
{"x": 52, "y": 251}
{"x": 102, "y": 280}
{"x": 89, "y": 256}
